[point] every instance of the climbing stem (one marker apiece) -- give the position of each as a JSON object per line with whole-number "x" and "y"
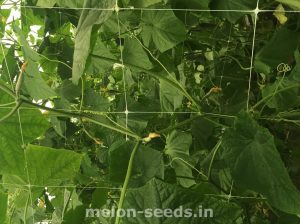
{"x": 215, "y": 150}
{"x": 273, "y": 94}
{"x": 126, "y": 181}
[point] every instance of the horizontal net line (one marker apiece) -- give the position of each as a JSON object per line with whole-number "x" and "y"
{"x": 112, "y": 188}
{"x": 60, "y": 186}
{"x": 152, "y": 9}
{"x": 129, "y": 112}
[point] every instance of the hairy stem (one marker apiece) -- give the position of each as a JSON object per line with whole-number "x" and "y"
{"x": 128, "y": 175}
{"x": 215, "y": 150}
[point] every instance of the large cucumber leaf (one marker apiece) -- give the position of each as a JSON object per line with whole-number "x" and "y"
{"x": 162, "y": 28}
{"x": 159, "y": 195}
{"x": 277, "y": 50}
{"x": 251, "y": 154}
{"x": 31, "y": 123}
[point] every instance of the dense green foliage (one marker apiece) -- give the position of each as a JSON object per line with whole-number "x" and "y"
{"x": 150, "y": 104}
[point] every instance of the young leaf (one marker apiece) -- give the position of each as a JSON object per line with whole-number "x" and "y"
{"x": 170, "y": 98}
{"x": 177, "y": 147}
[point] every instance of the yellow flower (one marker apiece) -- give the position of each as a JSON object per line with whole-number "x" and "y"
{"x": 280, "y": 14}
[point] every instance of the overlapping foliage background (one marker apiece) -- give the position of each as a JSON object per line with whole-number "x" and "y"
{"x": 192, "y": 102}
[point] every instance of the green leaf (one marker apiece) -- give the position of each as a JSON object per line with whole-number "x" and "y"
{"x": 100, "y": 196}
{"x": 163, "y": 28}
{"x": 192, "y": 4}
{"x": 46, "y": 3}
{"x": 227, "y": 5}
{"x": 87, "y": 20}
{"x": 170, "y": 98}
{"x": 295, "y": 73}
{"x": 147, "y": 163}
{"x": 9, "y": 65}
{"x": 134, "y": 54}
{"x": 28, "y": 52}
{"x": 251, "y": 154}
{"x": 4, "y": 14}
{"x": 276, "y": 51}
{"x": 177, "y": 147}
{"x": 159, "y": 195}
{"x": 3, "y": 207}
{"x": 295, "y": 4}
{"x": 70, "y": 3}
{"x": 283, "y": 100}
{"x": 11, "y": 138}
{"x": 59, "y": 126}
{"x": 144, "y": 3}
{"x": 75, "y": 215}
{"x": 136, "y": 121}
{"x": 64, "y": 165}
{"x": 69, "y": 91}
{"x": 96, "y": 65}
{"x": 95, "y": 101}
{"x": 35, "y": 85}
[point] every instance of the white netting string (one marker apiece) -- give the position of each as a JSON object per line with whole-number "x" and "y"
{"x": 126, "y": 112}
{"x": 148, "y": 9}
{"x": 256, "y": 11}
{"x": 22, "y": 138}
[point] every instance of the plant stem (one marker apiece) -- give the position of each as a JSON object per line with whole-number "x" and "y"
{"x": 238, "y": 62}
{"x": 7, "y": 90}
{"x": 191, "y": 119}
{"x": 128, "y": 175}
{"x": 84, "y": 117}
{"x": 273, "y": 94}
{"x": 12, "y": 112}
{"x": 123, "y": 130}
{"x": 26, "y": 209}
{"x": 215, "y": 150}
{"x": 166, "y": 130}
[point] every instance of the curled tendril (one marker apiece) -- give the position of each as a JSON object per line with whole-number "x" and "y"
{"x": 282, "y": 67}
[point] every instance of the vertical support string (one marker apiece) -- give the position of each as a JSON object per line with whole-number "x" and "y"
{"x": 224, "y": 63}
{"x": 256, "y": 11}
{"x": 126, "y": 112}
{"x": 24, "y": 151}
